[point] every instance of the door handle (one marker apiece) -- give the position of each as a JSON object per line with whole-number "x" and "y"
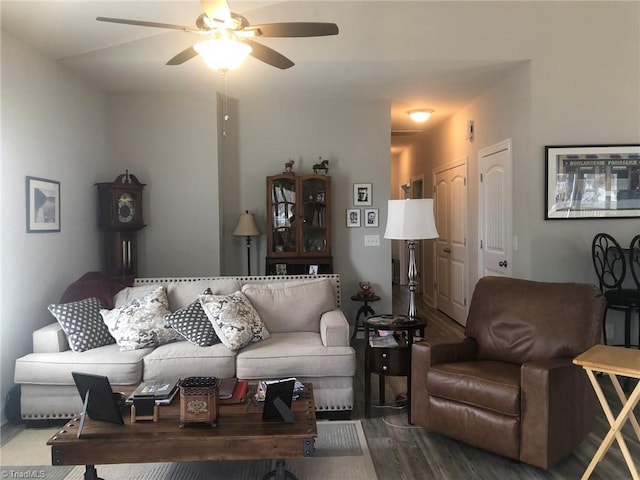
{"x": 447, "y": 250}
{"x": 503, "y": 263}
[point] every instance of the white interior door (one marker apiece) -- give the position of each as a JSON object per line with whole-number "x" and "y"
{"x": 495, "y": 210}
{"x": 451, "y": 247}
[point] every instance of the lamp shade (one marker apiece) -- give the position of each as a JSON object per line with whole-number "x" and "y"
{"x": 222, "y": 53}
{"x": 420, "y": 116}
{"x": 411, "y": 219}
{"x": 246, "y": 226}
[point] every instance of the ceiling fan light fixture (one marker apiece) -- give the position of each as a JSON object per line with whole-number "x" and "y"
{"x": 223, "y": 53}
{"x": 420, "y": 115}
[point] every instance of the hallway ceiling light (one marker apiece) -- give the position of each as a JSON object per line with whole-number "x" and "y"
{"x": 420, "y": 115}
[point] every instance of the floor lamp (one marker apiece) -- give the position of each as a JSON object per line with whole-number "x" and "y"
{"x": 247, "y": 228}
{"x": 411, "y": 220}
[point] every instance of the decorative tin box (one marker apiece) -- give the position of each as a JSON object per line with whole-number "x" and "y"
{"x": 199, "y": 400}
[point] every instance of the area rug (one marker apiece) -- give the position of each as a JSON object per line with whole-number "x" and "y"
{"x": 341, "y": 454}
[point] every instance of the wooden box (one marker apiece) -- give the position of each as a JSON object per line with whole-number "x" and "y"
{"x": 199, "y": 400}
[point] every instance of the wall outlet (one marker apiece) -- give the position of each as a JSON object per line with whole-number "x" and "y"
{"x": 610, "y": 328}
{"x": 372, "y": 240}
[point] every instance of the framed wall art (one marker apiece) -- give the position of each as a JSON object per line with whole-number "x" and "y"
{"x": 592, "y": 181}
{"x": 353, "y": 217}
{"x": 362, "y": 194}
{"x": 43, "y": 205}
{"x": 370, "y": 217}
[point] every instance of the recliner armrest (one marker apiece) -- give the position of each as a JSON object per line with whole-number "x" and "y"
{"x": 423, "y": 355}
{"x": 334, "y": 329}
{"x": 558, "y": 408}
{"x": 50, "y": 339}
{"x": 428, "y": 353}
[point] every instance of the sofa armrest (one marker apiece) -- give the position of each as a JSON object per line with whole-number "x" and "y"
{"x": 50, "y": 339}
{"x": 334, "y": 329}
{"x": 558, "y": 410}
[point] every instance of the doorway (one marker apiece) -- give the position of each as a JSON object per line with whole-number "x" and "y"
{"x": 451, "y": 254}
{"x": 495, "y": 210}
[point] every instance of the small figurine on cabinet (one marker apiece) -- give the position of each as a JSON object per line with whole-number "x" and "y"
{"x": 321, "y": 165}
{"x": 288, "y": 166}
{"x": 365, "y": 290}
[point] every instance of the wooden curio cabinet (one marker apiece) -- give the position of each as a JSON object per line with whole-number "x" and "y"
{"x": 298, "y": 224}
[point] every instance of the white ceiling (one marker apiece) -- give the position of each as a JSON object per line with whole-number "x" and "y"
{"x": 370, "y": 58}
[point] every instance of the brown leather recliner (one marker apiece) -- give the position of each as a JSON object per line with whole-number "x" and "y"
{"x": 509, "y": 387}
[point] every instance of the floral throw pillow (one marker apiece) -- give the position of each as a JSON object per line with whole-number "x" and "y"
{"x": 234, "y": 319}
{"x": 82, "y": 323}
{"x": 140, "y": 322}
{"x": 193, "y": 324}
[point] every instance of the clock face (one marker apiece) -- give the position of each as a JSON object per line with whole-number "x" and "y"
{"x": 126, "y": 208}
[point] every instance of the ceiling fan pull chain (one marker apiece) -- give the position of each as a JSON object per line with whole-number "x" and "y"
{"x": 225, "y": 113}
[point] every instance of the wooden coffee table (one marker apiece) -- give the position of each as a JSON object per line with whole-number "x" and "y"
{"x": 240, "y": 434}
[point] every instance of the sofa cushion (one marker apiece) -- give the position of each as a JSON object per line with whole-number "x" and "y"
{"x": 181, "y": 294}
{"x": 295, "y": 354}
{"x": 82, "y": 323}
{"x": 234, "y": 319}
{"x": 127, "y": 294}
{"x": 122, "y": 368}
{"x": 140, "y": 323}
{"x": 193, "y": 324}
{"x": 293, "y": 307}
{"x": 183, "y": 359}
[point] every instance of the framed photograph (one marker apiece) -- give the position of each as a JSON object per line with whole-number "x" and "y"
{"x": 353, "y": 217}
{"x": 43, "y": 205}
{"x": 592, "y": 181}
{"x": 313, "y": 269}
{"x": 370, "y": 217}
{"x": 362, "y": 194}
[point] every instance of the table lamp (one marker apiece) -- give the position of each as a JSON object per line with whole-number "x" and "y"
{"x": 411, "y": 220}
{"x": 247, "y": 228}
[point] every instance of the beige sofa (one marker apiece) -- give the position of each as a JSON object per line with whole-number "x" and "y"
{"x": 308, "y": 340}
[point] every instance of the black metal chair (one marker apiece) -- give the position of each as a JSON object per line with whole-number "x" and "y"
{"x": 609, "y": 260}
{"x": 634, "y": 259}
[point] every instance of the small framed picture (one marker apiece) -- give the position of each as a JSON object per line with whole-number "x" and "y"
{"x": 362, "y": 194}
{"x": 370, "y": 217}
{"x": 43, "y": 205}
{"x": 313, "y": 269}
{"x": 353, "y": 217}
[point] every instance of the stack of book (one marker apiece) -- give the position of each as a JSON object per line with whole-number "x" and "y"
{"x": 162, "y": 391}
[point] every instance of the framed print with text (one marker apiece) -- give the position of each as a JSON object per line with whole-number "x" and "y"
{"x": 43, "y": 205}
{"x": 592, "y": 181}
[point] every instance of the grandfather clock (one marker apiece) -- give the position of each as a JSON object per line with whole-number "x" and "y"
{"x": 120, "y": 218}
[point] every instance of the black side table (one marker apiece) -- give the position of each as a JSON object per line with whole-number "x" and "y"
{"x": 389, "y": 360}
{"x": 364, "y": 310}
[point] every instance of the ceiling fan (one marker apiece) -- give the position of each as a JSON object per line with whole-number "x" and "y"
{"x": 229, "y": 36}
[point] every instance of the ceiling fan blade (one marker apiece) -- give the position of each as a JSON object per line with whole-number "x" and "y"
{"x": 143, "y": 23}
{"x": 217, "y": 10}
{"x": 183, "y": 56}
{"x": 296, "y": 29}
{"x": 268, "y": 55}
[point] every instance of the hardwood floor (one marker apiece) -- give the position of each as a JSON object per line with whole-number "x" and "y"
{"x": 403, "y": 451}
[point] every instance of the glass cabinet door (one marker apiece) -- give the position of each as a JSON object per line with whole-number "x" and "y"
{"x": 283, "y": 216}
{"x": 315, "y": 218}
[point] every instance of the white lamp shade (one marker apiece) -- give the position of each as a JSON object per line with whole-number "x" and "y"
{"x": 247, "y": 226}
{"x": 411, "y": 220}
{"x": 222, "y": 54}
